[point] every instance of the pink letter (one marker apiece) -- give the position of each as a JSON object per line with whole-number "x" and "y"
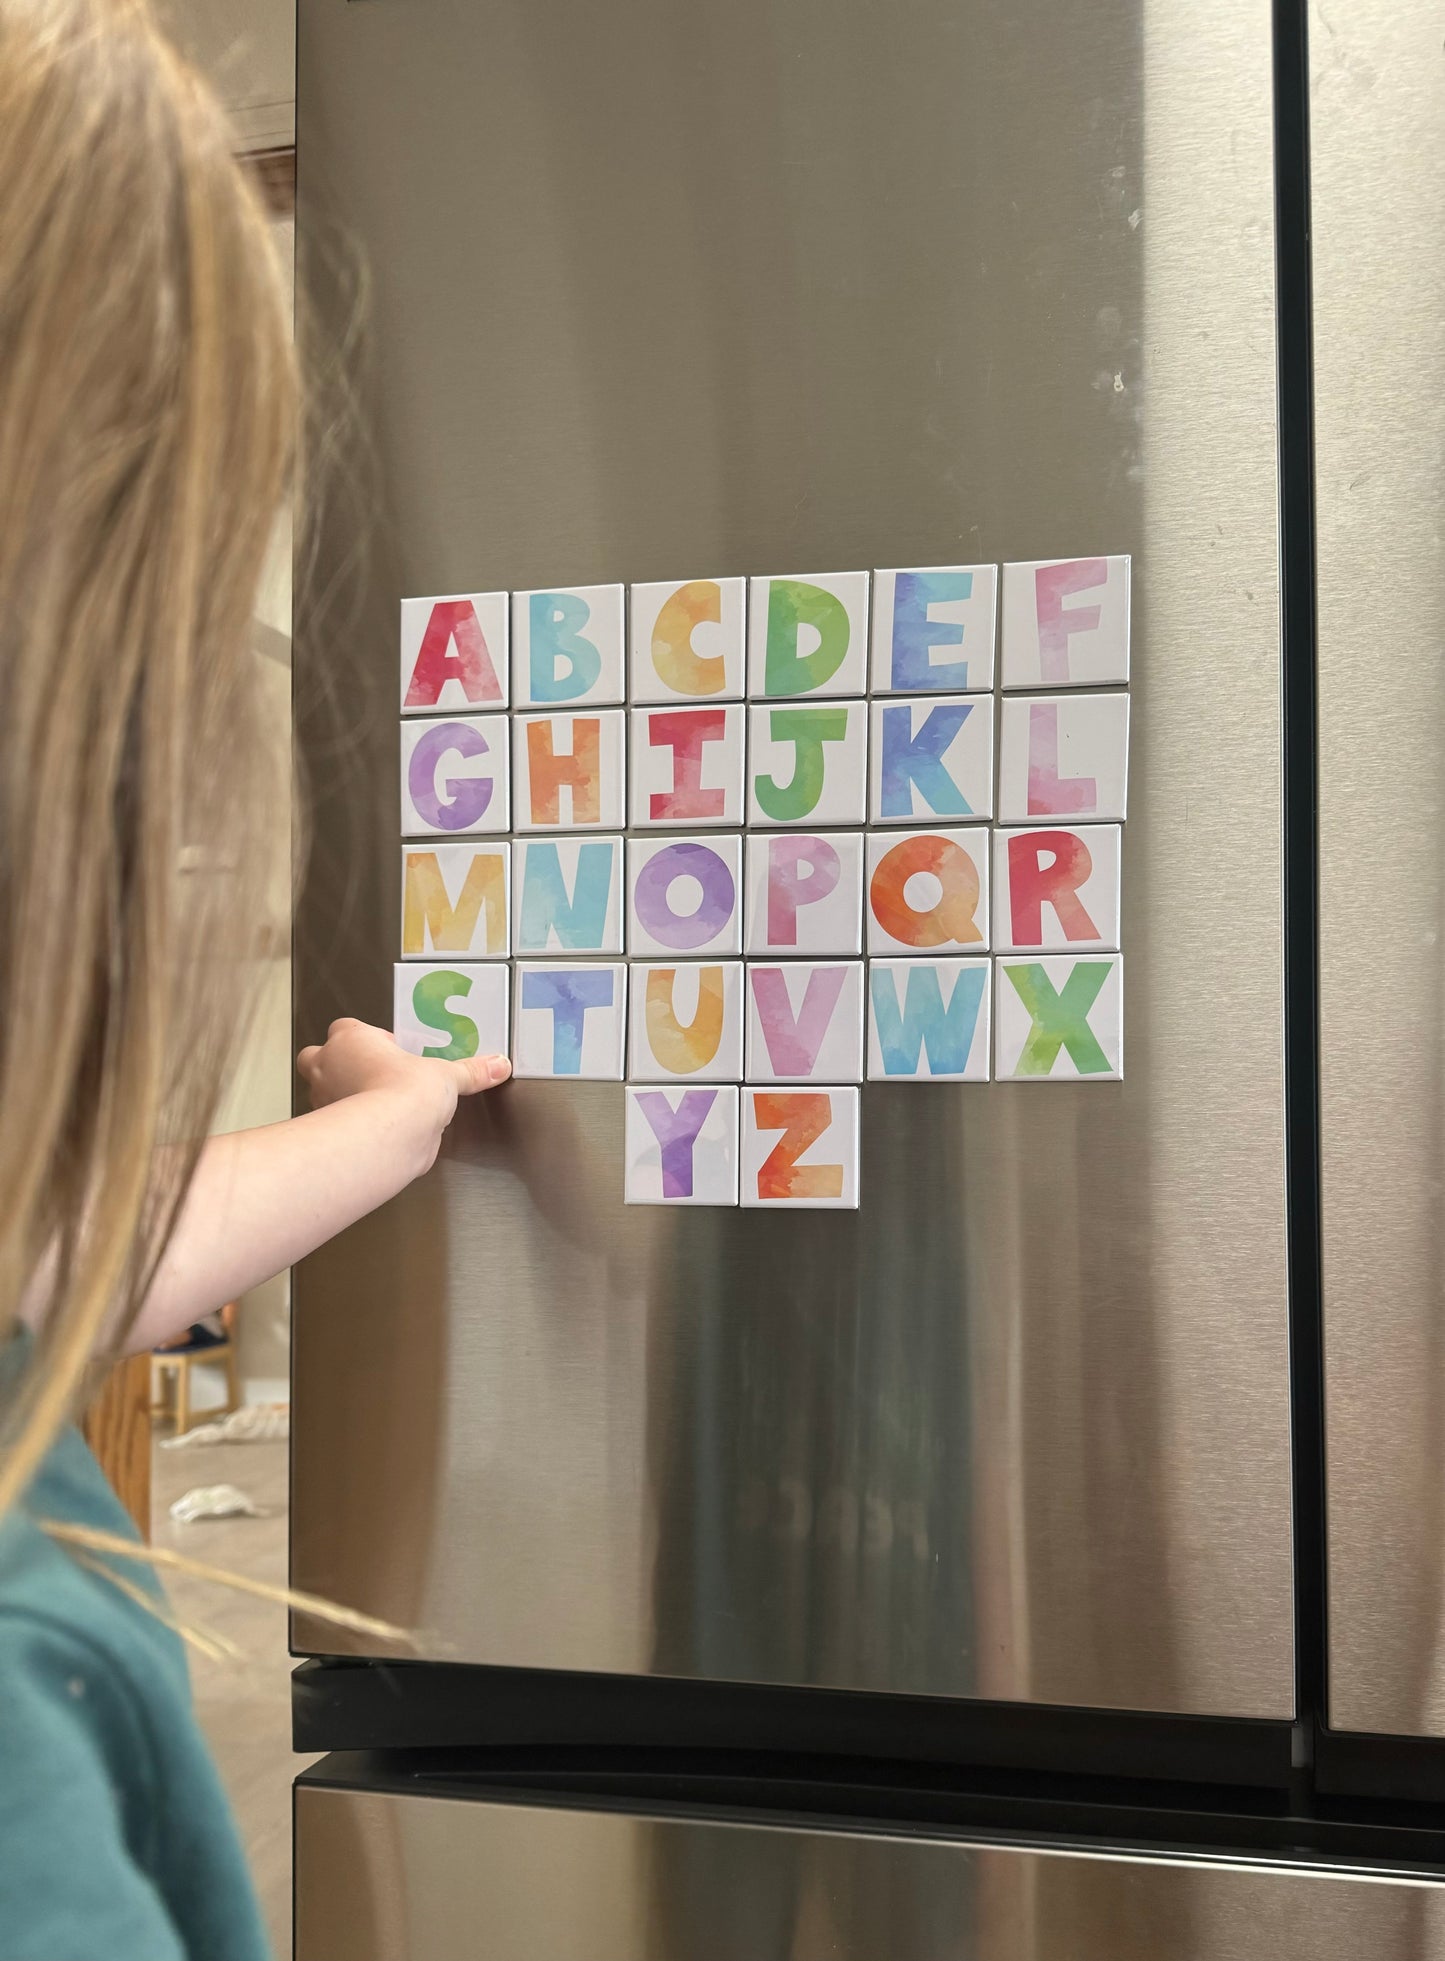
{"x": 1052, "y": 795}
{"x": 793, "y": 1041}
{"x": 801, "y": 871}
{"x": 1051, "y": 584}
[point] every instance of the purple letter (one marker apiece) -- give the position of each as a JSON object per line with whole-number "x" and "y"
{"x": 467, "y": 797}
{"x": 676, "y": 1131}
{"x": 793, "y": 1041}
{"x": 654, "y": 883}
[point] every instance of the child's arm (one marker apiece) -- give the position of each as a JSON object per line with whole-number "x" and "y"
{"x": 261, "y": 1199}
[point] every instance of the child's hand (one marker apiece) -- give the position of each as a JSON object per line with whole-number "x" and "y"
{"x": 356, "y": 1059}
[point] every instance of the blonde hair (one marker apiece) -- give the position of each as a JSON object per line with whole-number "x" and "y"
{"x": 148, "y": 418}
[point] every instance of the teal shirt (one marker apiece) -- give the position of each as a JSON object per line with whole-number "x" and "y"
{"x": 116, "y": 1840}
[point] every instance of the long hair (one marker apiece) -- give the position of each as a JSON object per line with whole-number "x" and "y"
{"x": 148, "y": 419}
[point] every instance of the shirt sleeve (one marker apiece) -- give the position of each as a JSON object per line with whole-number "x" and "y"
{"x": 73, "y": 1783}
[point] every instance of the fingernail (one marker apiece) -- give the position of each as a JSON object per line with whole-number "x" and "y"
{"x": 498, "y": 1069}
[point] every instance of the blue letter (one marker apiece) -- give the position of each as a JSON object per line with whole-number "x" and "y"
{"x": 924, "y": 1023}
{"x": 915, "y": 635}
{"x": 569, "y": 995}
{"x": 909, "y": 759}
{"x": 579, "y": 921}
{"x": 557, "y": 619}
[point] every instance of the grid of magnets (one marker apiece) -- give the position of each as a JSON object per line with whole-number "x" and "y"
{"x": 744, "y": 844}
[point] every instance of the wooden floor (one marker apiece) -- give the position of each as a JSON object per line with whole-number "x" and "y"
{"x": 243, "y": 1705}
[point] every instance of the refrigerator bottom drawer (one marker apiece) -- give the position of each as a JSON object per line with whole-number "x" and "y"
{"x": 387, "y": 1877}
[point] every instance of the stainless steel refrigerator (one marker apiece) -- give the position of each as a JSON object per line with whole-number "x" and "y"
{"x": 1045, "y": 1559}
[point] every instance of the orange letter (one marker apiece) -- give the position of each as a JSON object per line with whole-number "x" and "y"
{"x": 684, "y": 1050}
{"x": 951, "y": 921}
{"x": 581, "y": 772}
{"x": 426, "y": 909}
{"x": 684, "y": 671}
{"x": 802, "y": 1116}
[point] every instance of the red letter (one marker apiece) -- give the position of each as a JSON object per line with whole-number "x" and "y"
{"x": 453, "y": 648}
{"x": 684, "y": 731}
{"x": 1031, "y": 884}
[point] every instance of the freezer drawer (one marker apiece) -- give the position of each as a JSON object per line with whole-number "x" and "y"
{"x": 1378, "y": 174}
{"x": 391, "y": 1878}
{"x": 790, "y": 285}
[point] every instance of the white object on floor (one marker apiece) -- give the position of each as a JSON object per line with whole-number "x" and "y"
{"x": 214, "y": 1501}
{"x": 257, "y": 1423}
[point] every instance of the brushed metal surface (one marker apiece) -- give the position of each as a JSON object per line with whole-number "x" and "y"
{"x": 378, "y": 1876}
{"x": 662, "y": 290}
{"x": 1378, "y": 140}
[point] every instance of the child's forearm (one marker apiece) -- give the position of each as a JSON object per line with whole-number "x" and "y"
{"x": 262, "y": 1199}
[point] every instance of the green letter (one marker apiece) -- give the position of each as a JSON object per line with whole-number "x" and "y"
{"x": 429, "y": 1000}
{"x": 792, "y": 604}
{"x": 807, "y": 729}
{"x": 1060, "y": 1020}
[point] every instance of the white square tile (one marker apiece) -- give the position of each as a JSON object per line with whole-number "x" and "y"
{"x": 1066, "y": 623}
{"x": 800, "y": 1148}
{"x": 454, "y": 653}
{"x": 1063, "y": 756}
{"x": 451, "y": 1012}
{"x": 808, "y": 635}
{"x": 455, "y": 776}
{"x": 804, "y": 892}
{"x": 681, "y": 1146}
{"x": 928, "y": 1021}
{"x": 684, "y": 895}
{"x": 567, "y": 647}
{"x": 933, "y": 630}
{"x": 570, "y": 771}
{"x": 456, "y": 901}
{"x": 567, "y": 896}
{"x": 1059, "y": 1019}
{"x": 804, "y": 1021}
{"x": 687, "y": 766}
{"x": 571, "y": 1019}
{"x": 808, "y": 763}
{"x": 689, "y": 640}
{"x": 686, "y": 1022}
{"x": 927, "y": 891}
{"x": 932, "y": 760}
{"x": 1056, "y": 889}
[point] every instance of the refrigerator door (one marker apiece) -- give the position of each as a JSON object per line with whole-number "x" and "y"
{"x": 1378, "y": 143}
{"x": 379, "y": 1876}
{"x": 657, "y": 290}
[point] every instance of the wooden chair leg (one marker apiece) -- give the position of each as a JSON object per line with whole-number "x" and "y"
{"x": 183, "y": 1395}
{"x": 233, "y": 1379}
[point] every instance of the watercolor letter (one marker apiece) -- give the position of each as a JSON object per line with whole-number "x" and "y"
{"x": 429, "y": 1003}
{"x": 681, "y": 1050}
{"x": 807, "y": 729}
{"x": 1052, "y": 583}
{"x": 1032, "y": 884}
{"x": 793, "y": 604}
{"x": 802, "y": 1116}
{"x": 677, "y": 1132}
{"x": 915, "y": 635}
{"x": 677, "y": 665}
{"x": 1060, "y": 1020}
{"x": 951, "y": 921}
{"x": 801, "y": 871}
{"x": 1052, "y": 795}
{"x": 581, "y": 772}
{"x": 652, "y": 890}
{"x": 568, "y": 995}
{"x": 685, "y": 732}
{"x": 453, "y": 648}
{"x": 923, "y": 1023}
{"x": 909, "y": 759}
{"x": 564, "y": 663}
{"x": 462, "y": 801}
{"x": 426, "y": 909}
{"x": 793, "y": 1041}
{"x": 579, "y": 919}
